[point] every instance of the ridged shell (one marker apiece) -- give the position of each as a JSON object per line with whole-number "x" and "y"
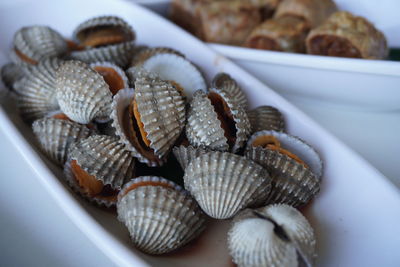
{"x": 176, "y": 68}
{"x": 119, "y": 54}
{"x": 204, "y": 128}
{"x": 37, "y": 90}
{"x": 118, "y": 70}
{"x": 160, "y": 218}
{"x": 82, "y": 93}
{"x": 225, "y": 183}
{"x": 106, "y": 159}
{"x": 292, "y": 182}
{"x": 38, "y": 43}
{"x": 184, "y": 154}
{"x": 146, "y": 53}
{"x": 101, "y": 22}
{"x": 276, "y": 235}
{"x": 11, "y": 73}
{"x": 56, "y": 136}
{"x": 266, "y": 118}
{"x": 223, "y": 81}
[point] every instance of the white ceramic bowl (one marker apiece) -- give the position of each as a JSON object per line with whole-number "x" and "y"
{"x": 355, "y": 216}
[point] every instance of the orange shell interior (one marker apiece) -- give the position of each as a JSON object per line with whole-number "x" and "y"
{"x": 112, "y": 78}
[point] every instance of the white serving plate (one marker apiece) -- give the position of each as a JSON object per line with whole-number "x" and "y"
{"x": 351, "y": 83}
{"x": 355, "y": 216}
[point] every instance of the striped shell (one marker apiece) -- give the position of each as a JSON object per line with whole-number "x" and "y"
{"x": 184, "y": 154}
{"x": 82, "y": 93}
{"x": 105, "y": 158}
{"x": 36, "y": 43}
{"x": 225, "y": 183}
{"x": 223, "y": 81}
{"x": 159, "y": 214}
{"x": 56, "y": 136}
{"x": 275, "y": 235}
{"x": 204, "y": 127}
{"x": 113, "y": 75}
{"x": 266, "y": 118}
{"x": 147, "y": 53}
{"x": 292, "y": 182}
{"x": 37, "y": 90}
{"x": 10, "y": 74}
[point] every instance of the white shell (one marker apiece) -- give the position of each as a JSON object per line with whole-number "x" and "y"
{"x": 82, "y": 93}
{"x": 160, "y": 218}
{"x": 225, "y": 183}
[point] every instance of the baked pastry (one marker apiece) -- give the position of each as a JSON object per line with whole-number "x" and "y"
{"x": 314, "y": 12}
{"x": 346, "y": 35}
{"x": 287, "y": 33}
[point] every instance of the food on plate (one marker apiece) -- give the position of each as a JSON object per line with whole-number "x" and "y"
{"x": 117, "y": 127}
{"x": 275, "y": 235}
{"x": 346, "y": 35}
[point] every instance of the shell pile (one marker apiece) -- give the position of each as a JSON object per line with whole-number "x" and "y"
{"x": 116, "y": 116}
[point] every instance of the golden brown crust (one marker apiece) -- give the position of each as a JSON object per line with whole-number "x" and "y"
{"x": 280, "y": 34}
{"x": 314, "y": 12}
{"x": 346, "y": 35}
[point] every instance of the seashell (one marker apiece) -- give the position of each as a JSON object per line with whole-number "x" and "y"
{"x": 57, "y": 135}
{"x": 10, "y": 74}
{"x": 37, "y": 90}
{"x": 156, "y": 118}
{"x": 82, "y": 93}
{"x": 224, "y": 183}
{"x": 275, "y": 235}
{"x": 217, "y": 122}
{"x": 35, "y": 43}
{"x": 103, "y": 30}
{"x": 113, "y": 75}
{"x": 144, "y": 54}
{"x": 159, "y": 214}
{"x": 174, "y": 68}
{"x": 184, "y": 154}
{"x": 295, "y": 167}
{"x": 266, "y": 118}
{"x": 119, "y": 54}
{"x": 222, "y": 81}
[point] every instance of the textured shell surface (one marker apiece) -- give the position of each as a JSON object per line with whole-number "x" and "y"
{"x": 105, "y": 158}
{"x": 82, "y": 93}
{"x": 175, "y": 68}
{"x": 36, "y": 91}
{"x": 119, "y": 54}
{"x": 223, "y": 81}
{"x": 204, "y": 127}
{"x": 56, "y": 136}
{"x": 101, "y": 22}
{"x": 37, "y": 43}
{"x": 275, "y": 235}
{"x": 11, "y": 73}
{"x": 225, "y": 183}
{"x": 292, "y": 182}
{"x": 184, "y": 154}
{"x": 159, "y": 215}
{"x": 266, "y": 118}
{"x": 118, "y": 70}
{"x": 139, "y": 58}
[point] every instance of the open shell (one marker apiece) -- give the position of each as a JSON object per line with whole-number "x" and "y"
{"x": 159, "y": 214}
{"x": 276, "y": 235}
{"x": 266, "y": 118}
{"x": 293, "y": 183}
{"x": 225, "y": 183}
{"x": 184, "y": 154}
{"x": 82, "y": 93}
{"x": 113, "y": 75}
{"x": 223, "y": 81}
{"x": 146, "y": 53}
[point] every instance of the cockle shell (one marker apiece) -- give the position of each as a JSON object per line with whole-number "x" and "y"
{"x": 223, "y": 81}
{"x": 56, "y": 136}
{"x": 10, "y": 74}
{"x": 35, "y": 43}
{"x": 184, "y": 154}
{"x": 275, "y": 235}
{"x": 37, "y": 90}
{"x": 266, "y": 118}
{"x": 146, "y": 53}
{"x": 225, "y": 183}
{"x": 113, "y": 75}
{"x": 159, "y": 214}
{"x": 292, "y": 182}
{"x": 82, "y": 93}
{"x": 204, "y": 127}
{"x": 105, "y": 158}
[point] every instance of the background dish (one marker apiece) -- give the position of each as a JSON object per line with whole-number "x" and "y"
{"x": 350, "y": 83}
{"x": 346, "y": 230}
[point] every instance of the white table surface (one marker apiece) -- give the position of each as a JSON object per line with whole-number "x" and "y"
{"x": 35, "y": 232}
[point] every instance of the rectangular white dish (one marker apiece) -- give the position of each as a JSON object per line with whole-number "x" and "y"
{"x": 355, "y": 216}
{"x": 351, "y": 83}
